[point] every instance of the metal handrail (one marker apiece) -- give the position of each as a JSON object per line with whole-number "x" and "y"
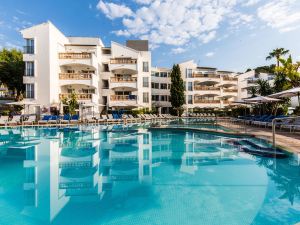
{"x": 274, "y": 126}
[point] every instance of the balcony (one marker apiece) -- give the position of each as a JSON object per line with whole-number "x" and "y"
{"x": 230, "y": 90}
{"x": 88, "y": 79}
{"x": 123, "y": 98}
{"x": 122, "y": 82}
{"x": 127, "y": 64}
{"x": 75, "y": 76}
{"x": 83, "y": 96}
{"x": 204, "y": 101}
{"x": 227, "y": 102}
{"x": 72, "y": 55}
{"x": 84, "y": 58}
{"x": 28, "y": 49}
{"x": 198, "y": 75}
{"x": 207, "y": 79}
{"x": 206, "y": 88}
{"x": 230, "y": 79}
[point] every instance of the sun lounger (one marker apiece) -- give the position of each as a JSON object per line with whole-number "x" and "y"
{"x": 90, "y": 119}
{"x": 3, "y": 120}
{"x": 74, "y": 119}
{"x": 111, "y": 119}
{"x": 30, "y": 121}
{"x": 44, "y": 119}
{"x": 65, "y": 119}
{"x": 53, "y": 120}
{"x": 16, "y": 120}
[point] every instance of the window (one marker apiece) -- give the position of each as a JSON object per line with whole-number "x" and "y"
{"x": 190, "y": 99}
{"x": 29, "y": 90}
{"x": 155, "y": 97}
{"x": 190, "y": 86}
{"x": 29, "y": 69}
{"x": 105, "y": 67}
{"x": 145, "y": 97}
{"x": 155, "y": 85}
{"x": 163, "y": 74}
{"x": 146, "y": 139}
{"x": 169, "y": 86}
{"x": 145, "y": 82}
{"x": 29, "y": 47}
{"x": 163, "y": 86}
{"x": 164, "y": 98}
{"x": 30, "y": 175}
{"x": 145, "y": 66}
{"x": 189, "y": 73}
{"x": 146, "y": 154}
{"x": 146, "y": 170}
{"x": 30, "y": 153}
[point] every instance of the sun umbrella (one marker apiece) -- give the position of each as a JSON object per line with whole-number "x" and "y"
{"x": 286, "y": 94}
{"x": 262, "y": 99}
{"x": 23, "y": 103}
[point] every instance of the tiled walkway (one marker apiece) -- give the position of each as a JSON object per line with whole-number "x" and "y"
{"x": 284, "y": 139}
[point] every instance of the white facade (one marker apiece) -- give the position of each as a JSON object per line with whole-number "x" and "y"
{"x": 57, "y": 66}
{"x": 249, "y": 79}
{"x": 118, "y": 76}
{"x": 208, "y": 87}
{"x": 160, "y": 89}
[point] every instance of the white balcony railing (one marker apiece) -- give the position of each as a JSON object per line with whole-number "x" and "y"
{"x": 83, "y": 96}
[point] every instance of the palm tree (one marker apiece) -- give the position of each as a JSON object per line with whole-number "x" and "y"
{"x": 290, "y": 70}
{"x": 253, "y": 91}
{"x": 264, "y": 88}
{"x": 277, "y": 53}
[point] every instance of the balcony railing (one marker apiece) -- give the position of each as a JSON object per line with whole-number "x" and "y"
{"x": 123, "y": 97}
{"x": 230, "y": 90}
{"x": 83, "y": 96}
{"x": 123, "y": 80}
{"x": 252, "y": 81}
{"x": 73, "y": 55}
{"x": 197, "y": 75}
{"x": 75, "y": 76}
{"x": 28, "y": 49}
{"x": 227, "y": 102}
{"x": 204, "y": 101}
{"x": 206, "y": 88}
{"x": 230, "y": 79}
{"x": 123, "y": 61}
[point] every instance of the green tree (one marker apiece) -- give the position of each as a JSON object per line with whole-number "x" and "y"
{"x": 291, "y": 71}
{"x": 264, "y": 88}
{"x": 72, "y": 103}
{"x": 177, "y": 89}
{"x": 253, "y": 91}
{"x": 12, "y": 69}
{"x": 277, "y": 53}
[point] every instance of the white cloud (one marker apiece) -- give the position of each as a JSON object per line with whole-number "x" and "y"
{"x": 178, "y": 50}
{"x": 210, "y": 54}
{"x": 173, "y": 22}
{"x": 283, "y": 15}
{"x": 143, "y": 2}
{"x": 112, "y": 10}
{"x": 251, "y": 2}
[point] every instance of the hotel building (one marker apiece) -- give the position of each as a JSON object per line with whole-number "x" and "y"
{"x": 56, "y": 66}
{"x": 119, "y": 76}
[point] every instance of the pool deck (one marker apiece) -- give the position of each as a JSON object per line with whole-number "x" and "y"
{"x": 284, "y": 139}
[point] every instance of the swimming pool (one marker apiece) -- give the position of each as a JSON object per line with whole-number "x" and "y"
{"x": 135, "y": 175}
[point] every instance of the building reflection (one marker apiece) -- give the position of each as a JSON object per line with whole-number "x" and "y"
{"x": 66, "y": 166}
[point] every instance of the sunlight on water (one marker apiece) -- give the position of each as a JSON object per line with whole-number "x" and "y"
{"x": 134, "y": 175}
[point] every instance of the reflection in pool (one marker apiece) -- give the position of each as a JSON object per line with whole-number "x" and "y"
{"x": 134, "y": 175}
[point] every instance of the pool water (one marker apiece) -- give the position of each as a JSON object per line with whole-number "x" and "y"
{"x": 134, "y": 175}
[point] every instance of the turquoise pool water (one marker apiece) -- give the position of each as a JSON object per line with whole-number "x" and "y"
{"x": 134, "y": 175}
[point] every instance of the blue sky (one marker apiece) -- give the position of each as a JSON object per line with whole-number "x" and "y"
{"x": 227, "y": 34}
